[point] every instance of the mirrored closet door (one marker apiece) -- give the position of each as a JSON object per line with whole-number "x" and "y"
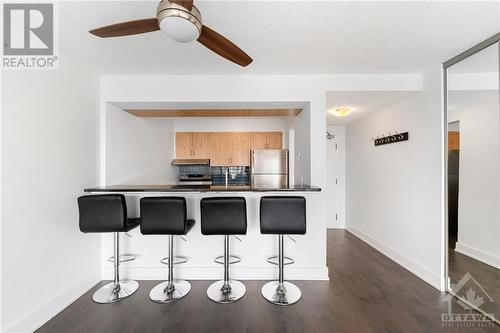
{"x": 473, "y": 178}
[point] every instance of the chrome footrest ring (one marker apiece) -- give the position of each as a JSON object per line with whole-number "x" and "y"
{"x": 274, "y": 260}
{"x": 123, "y": 258}
{"x": 177, "y": 260}
{"x": 232, "y": 260}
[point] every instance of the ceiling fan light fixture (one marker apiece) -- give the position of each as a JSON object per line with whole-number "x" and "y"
{"x": 180, "y": 24}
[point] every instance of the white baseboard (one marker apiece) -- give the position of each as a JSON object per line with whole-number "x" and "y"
{"x": 35, "y": 319}
{"x": 478, "y": 254}
{"x": 215, "y": 273}
{"x": 336, "y": 226}
{"x": 422, "y": 272}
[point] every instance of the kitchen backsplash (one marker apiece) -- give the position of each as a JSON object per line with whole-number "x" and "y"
{"x": 237, "y": 175}
{"x": 194, "y": 170}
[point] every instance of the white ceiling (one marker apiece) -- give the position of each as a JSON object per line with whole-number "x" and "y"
{"x": 363, "y": 103}
{"x": 285, "y": 37}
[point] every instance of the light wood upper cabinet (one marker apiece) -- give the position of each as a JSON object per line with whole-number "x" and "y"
{"x": 224, "y": 148}
{"x": 184, "y": 145}
{"x": 201, "y": 145}
{"x": 192, "y": 145}
{"x": 274, "y": 140}
{"x": 220, "y": 152}
{"x": 259, "y": 140}
{"x": 240, "y": 149}
{"x": 267, "y": 140}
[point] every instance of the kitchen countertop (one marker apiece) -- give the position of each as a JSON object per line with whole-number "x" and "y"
{"x": 200, "y": 188}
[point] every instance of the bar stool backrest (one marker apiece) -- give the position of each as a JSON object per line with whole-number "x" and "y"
{"x": 223, "y": 216}
{"x": 283, "y": 215}
{"x": 163, "y": 216}
{"x": 102, "y": 213}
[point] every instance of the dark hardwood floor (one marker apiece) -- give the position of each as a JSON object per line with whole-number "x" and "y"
{"x": 487, "y": 276}
{"x": 367, "y": 292}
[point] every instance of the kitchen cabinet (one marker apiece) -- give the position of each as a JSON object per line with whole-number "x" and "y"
{"x": 274, "y": 140}
{"x": 267, "y": 140}
{"x": 192, "y": 145}
{"x": 184, "y": 145}
{"x": 240, "y": 149}
{"x": 220, "y": 152}
{"x": 259, "y": 140}
{"x": 224, "y": 148}
{"x": 201, "y": 144}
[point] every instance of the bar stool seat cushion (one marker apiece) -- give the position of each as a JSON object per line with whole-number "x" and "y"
{"x": 283, "y": 215}
{"x": 164, "y": 216}
{"x": 223, "y": 216}
{"x": 104, "y": 213}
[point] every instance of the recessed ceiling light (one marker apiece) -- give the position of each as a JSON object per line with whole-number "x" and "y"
{"x": 341, "y": 111}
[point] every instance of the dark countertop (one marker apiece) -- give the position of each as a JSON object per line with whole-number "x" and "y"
{"x": 200, "y": 188}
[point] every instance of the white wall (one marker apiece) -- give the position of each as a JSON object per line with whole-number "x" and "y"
{"x": 335, "y": 178}
{"x": 49, "y": 154}
{"x": 394, "y": 192}
{"x": 138, "y": 150}
{"x": 479, "y": 175}
{"x": 302, "y": 148}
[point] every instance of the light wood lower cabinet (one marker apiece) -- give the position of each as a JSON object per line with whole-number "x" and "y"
{"x": 225, "y": 148}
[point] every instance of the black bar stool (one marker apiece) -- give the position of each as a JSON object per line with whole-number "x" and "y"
{"x": 108, "y": 213}
{"x": 167, "y": 216}
{"x": 224, "y": 216}
{"x": 282, "y": 215}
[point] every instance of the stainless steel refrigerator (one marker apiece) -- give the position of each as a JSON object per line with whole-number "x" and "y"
{"x": 269, "y": 168}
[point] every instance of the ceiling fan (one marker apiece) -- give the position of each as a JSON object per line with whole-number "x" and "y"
{"x": 182, "y": 23}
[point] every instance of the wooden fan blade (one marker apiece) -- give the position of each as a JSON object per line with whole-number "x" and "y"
{"x": 223, "y": 47}
{"x": 127, "y": 28}
{"x": 188, "y": 4}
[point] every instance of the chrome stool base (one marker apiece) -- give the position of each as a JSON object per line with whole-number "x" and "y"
{"x": 160, "y": 294}
{"x": 112, "y": 292}
{"x": 221, "y": 295}
{"x": 289, "y": 294}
